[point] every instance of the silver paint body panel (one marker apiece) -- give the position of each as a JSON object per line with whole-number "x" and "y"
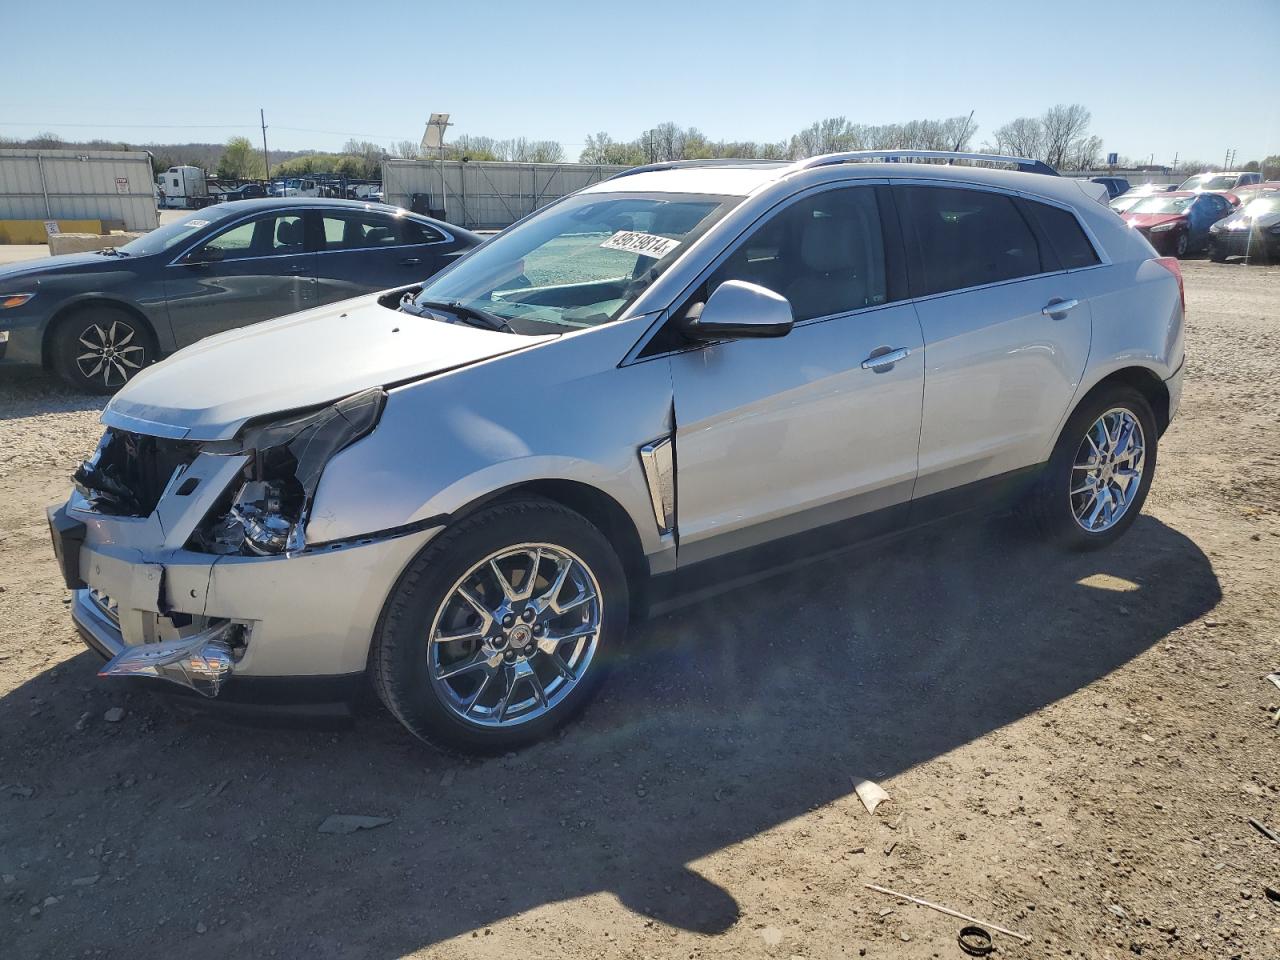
{"x": 771, "y": 437}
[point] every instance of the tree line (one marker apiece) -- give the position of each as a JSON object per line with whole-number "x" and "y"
{"x": 1061, "y": 137}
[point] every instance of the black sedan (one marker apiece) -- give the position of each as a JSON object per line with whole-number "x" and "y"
{"x": 1253, "y": 231}
{"x": 98, "y": 318}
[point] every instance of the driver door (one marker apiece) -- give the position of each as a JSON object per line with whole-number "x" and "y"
{"x": 779, "y": 436}
{"x": 253, "y": 270}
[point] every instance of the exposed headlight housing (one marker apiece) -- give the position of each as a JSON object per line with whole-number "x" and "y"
{"x": 267, "y": 513}
{"x": 1162, "y": 227}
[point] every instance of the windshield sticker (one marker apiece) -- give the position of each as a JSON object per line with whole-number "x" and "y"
{"x": 645, "y": 244}
{"x": 196, "y": 223}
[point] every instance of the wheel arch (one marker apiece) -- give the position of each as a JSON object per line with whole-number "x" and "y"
{"x": 69, "y": 310}
{"x": 1143, "y": 379}
{"x": 599, "y": 509}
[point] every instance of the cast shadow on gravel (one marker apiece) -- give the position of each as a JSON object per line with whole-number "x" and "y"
{"x": 723, "y": 720}
{"x": 28, "y": 391}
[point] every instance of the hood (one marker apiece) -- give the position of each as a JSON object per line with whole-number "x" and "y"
{"x": 66, "y": 263}
{"x": 1243, "y": 221}
{"x": 1144, "y": 221}
{"x": 209, "y": 390}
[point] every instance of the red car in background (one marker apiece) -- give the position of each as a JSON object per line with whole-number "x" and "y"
{"x": 1178, "y": 223}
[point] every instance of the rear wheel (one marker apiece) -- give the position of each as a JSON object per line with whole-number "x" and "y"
{"x": 1097, "y": 479}
{"x": 99, "y": 349}
{"x": 502, "y": 628}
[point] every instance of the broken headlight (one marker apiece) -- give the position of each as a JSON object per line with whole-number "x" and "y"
{"x": 267, "y": 511}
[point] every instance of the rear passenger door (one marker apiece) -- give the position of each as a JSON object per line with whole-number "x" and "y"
{"x": 366, "y": 250}
{"x": 1005, "y": 328}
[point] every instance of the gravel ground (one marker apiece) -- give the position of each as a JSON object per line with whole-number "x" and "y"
{"x": 1072, "y": 744}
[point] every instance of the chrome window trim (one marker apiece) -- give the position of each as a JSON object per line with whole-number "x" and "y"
{"x": 633, "y": 355}
{"x": 448, "y": 237}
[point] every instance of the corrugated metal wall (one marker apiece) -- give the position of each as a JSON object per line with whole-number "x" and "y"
{"x": 71, "y": 185}
{"x": 484, "y": 195}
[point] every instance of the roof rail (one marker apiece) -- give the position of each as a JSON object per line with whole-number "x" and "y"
{"x": 709, "y": 162}
{"x": 831, "y": 159}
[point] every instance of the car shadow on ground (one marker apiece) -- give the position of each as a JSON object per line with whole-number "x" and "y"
{"x": 723, "y": 719}
{"x": 28, "y": 391}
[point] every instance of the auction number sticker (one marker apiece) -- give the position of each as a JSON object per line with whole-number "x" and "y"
{"x": 645, "y": 244}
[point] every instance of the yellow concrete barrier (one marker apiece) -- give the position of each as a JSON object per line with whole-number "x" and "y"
{"x": 33, "y": 231}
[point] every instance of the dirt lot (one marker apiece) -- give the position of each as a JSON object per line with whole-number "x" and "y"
{"x": 1072, "y": 745}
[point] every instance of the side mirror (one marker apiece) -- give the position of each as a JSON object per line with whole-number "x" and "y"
{"x": 204, "y": 256}
{"x": 739, "y": 310}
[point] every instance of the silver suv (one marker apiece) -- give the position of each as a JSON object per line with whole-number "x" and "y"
{"x": 463, "y": 491}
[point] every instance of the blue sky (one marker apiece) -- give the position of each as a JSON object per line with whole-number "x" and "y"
{"x": 562, "y": 70}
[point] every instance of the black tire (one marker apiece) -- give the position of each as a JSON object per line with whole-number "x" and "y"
{"x": 399, "y": 665}
{"x": 124, "y": 343}
{"x": 1183, "y": 246}
{"x": 1216, "y": 255}
{"x": 1048, "y": 507}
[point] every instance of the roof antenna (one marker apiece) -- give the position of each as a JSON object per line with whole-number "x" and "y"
{"x": 964, "y": 132}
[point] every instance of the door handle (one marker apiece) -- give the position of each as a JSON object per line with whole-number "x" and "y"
{"x": 411, "y": 261}
{"x": 878, "y": 361}
{"x": 1058, "y": 308}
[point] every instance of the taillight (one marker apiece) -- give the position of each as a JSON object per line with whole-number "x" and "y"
{"x": 1171, "y": 264}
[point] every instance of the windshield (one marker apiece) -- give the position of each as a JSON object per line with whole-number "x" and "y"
{"x": 1121, "y": 204}
{"x": 1209, "y": 181}
{"x": 1162, "y": 205}
{"x": 580, "y": 263}
{"x": 170, "y": 235}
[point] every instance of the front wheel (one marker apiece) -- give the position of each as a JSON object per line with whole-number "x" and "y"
{"x": 502, "y": 629}
{"x": 1182, "y": 246}
{"x": 100, "y": 349}
{"x": 1097, "y": 479}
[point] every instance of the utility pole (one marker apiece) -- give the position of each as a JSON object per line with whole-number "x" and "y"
{"x": 266, "y": 158}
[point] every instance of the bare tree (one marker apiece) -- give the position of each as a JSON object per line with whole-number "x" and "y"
{"x": 1064, "y": 126}
{"x": 407, "y": 150}
{"x": 1022, "y": 137}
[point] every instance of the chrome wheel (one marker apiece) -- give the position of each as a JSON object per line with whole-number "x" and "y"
{"x": 515, "y": 634}
{"x": 1108, "y": 470}
{"x": 110, "y": 354}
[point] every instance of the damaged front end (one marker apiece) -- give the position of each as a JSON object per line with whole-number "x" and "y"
{"x": 266, "y": 514}
{"x": 159, "y": 520}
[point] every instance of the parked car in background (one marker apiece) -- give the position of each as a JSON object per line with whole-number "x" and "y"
{"x": 1225, "y": 182}
{"x": 1178, "y": 223}
{"x": 1126, "y": 200}
{"x": 461, "y": 494}
{"x": 1115, "y": 185}
{"x": 97, "y": 319}
{"x": 1253, "y": 190}
{"x": 246, "y": 191}
{"x": 1253, "y": 231}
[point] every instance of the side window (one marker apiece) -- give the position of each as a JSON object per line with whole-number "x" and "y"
{"x": 965, "y": 238}
{"x": 359, "y": 231}
{"x": 411, "y": 232}
{"x": 264, "y": 237}
{"x": 1065, "y": 235}
{"x": 824, "y": 253}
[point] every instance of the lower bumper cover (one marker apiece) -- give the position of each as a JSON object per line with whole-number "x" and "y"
{"x": 250, "y": 629}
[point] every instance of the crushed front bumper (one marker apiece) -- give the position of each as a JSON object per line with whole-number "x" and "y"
{"x": 211, "y": 623}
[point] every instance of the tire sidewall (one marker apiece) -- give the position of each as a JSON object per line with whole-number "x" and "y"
{"x": 1056, "y": 491}
{"x": 66, "y": 338}
{"x": 400, "y": 649}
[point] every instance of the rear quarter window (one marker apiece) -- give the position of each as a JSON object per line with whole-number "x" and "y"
{"x": 1066, "y": 236}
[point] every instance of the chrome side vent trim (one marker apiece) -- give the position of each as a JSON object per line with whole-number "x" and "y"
{"x": 658, "y": 461}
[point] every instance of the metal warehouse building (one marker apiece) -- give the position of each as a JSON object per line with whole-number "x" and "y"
{"x": 487, "y": 195}
{"x": 113, "y": 187}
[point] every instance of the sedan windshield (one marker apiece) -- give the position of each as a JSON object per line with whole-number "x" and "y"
{"x": 1159, "y": 204}
{"x": 1207, "y": 181}
{"x": 579, "y": 264}
{"x": 170, "y": 235}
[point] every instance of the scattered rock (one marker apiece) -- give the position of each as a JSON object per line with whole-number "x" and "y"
{"x": 86, "y": 881}
{"x": 114, "y": 715}
{"x": 351, "y": 822}
{"x": 83, "y": 721}
{"x": 18, "y": 790}
{"x": 772, "y": 936}
{"x": 1119, "y": 911}
{"x": 201, "y": 928}
{"x": 447, "y": 779}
